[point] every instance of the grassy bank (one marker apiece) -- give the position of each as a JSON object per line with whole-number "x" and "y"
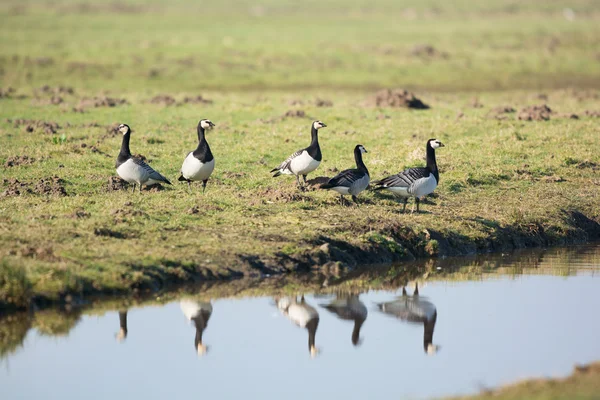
{"x": 78, "y": 68}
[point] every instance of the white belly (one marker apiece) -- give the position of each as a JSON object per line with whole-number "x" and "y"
{"x": 133, "y": 173}
{"x": 301, "y": 314}
{"x": 303, "y": 164}
{"x": 424, "y": 186}
{"x": 194, "y": 170}
{"x": 341, "y": 189}
{"x": 399, "y": 191}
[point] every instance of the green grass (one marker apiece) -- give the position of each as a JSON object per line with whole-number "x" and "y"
{"x": 255, "y": 61}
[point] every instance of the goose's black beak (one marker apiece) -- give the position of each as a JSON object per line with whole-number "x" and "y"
{"x": 442, "y": 144}
{"x": 211, "y": 124}
{"x": 323, "y": 125}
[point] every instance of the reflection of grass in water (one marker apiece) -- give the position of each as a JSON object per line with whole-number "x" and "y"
{"x": 13, "y": 329}
{"x": 55, "y": 322}
{"x": 583, "y": 383}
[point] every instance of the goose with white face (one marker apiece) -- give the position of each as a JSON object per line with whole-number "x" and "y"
{"x": 304, "y": 161}
{"x": 132, "y": 169}
{"x": 199, "y": 164}
{"x": 351, "y": 181}
{"x": 415, "y": 182}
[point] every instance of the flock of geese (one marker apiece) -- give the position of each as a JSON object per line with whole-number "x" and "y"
{"x": 199, "y": 164}
{"x": 411, "y": 309}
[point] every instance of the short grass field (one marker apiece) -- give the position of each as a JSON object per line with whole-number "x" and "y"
{"x": 262, "y": 71}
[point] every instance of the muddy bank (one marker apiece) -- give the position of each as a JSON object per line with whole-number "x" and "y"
{"x": 326, "y": 258}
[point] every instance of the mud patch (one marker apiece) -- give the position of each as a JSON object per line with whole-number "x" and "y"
{"x": 80, "y": 213}
{"x": 50, "y": 186}
{"x": 196, "y": 100}
{"x": 45, "y": 186}
{"x": 55, "y": 91}
{"x": 106, "y": 232}
{"x": 163, "y": 99}
{"x": 396, "y": 98}
{"x": 6, "y": 93}
{"x": 18, "y": 160}
{"x": 275, "y": 195}
{"x": 102, "y": 101}
{"x": 31, "y": 125}
{"x": 592, "y": 113}
{"x": 15, "y": 188}
{"x": 125, "y": 214}
{"x": 500, "y": 112}
{"x": 427, "y": 51}
{"x": 40, "y": 253}
{"x": 323, "y": 103}
{"x": 535, "y": 113}
{"x": 115, "y": 183}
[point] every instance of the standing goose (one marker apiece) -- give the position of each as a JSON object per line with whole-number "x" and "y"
{"x": 304, "y": 316}
{"x": 352, "y": 309}
{"x": 199, "y": 313}
{"x": 415, "y": 182}
{"x": 303, "y": 161}
{"x": 132, "y": 169}
{"x": 351, "y": 181}
{"x": 200, "y": 163}
{"x": 414, "y": 309}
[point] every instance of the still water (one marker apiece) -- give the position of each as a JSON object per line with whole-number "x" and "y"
{"x": 473, "y": 324}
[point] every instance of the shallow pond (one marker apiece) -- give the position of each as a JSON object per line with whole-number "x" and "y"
{"x": 475, "y": 324}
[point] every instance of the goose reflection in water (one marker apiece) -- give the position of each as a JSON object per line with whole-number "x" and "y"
{"x": 303, "y": 315}
{"x": 122, "y": 334}
{"x": 199, "y": 313}
{"x": 350, "y": 308}
{"x": 415, "y": 309}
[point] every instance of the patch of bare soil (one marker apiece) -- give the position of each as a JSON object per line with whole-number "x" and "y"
{"x": 80, "y": 213}
{"x": 57, "y": 90}
{"x": 167, "y": 100}
{"x": 46, "y": 186}
{"x": 323, "y": 103}
{"x": 15, "y": 188}
{"x": 101, "y": 101}
{"x": 475, "y": 103}
{"x": 40, "y": 253}
{"x": 109, "y": 233}
{"x": 500, "y": 112}
{"x": 6, "y": 93}
{"x": 115, "y": 183}
{"x": 535, "y": 113}
{"x": 52, "y": 185}
{"x": 588, "y": 164}
{"x": 196, "y": 100}
{"x": 396, "y": 98}
{"x": 427, "y": 51}
{"x": 157, "y": 187}
{"x": 18, "y": 160}
{"x": 163, "y": 99}
{"x": 36, "y": 125}
{"x": 315, "y": 183}
{"x": 124, "y": 214}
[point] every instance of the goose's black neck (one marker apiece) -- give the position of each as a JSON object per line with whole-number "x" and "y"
{"x": 359, "y": 161}
{"x": 314, "y": 150}
{"x": 312, "y": 331}
{"x": 428, "y": 328}
{"x": 123, "y": 321}
{"x": 202, "y": 152}
{"x": 431, "y": 163}
{"x": 356, "y": 331}
{"x": 125, "y": 153}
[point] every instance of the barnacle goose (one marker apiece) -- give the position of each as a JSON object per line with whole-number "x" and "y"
{"x": 414, "y": 309}
{"x": 199, "y": 313}
{"x": 304, "y": 316}
{"x": 303, "y": 161}
{"x": 351, "y": 181}
{"x": 415, "y": 182}
{"x": 350, "y": 308}
{"x": 200, "y": 163}
{"x": 132, "y": 169}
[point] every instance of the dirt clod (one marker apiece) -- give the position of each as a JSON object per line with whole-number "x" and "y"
{"x": 102, "y": 101}
{"x": 116, "y": 183}
{"x": 294, "y": 114}
{"x": 49, "y": 90}
{"x": 535, "y": 113}
{"x": 163, "y": 99}
{"x": 15, "y": 188}
{"x": 323, "y": 103}
{"x": 52, "y": 185}
{"x": 396, "y": 98}
{"x": 36, "y": 125}
{"x": 500, "y": 112}
{"x": 6, "y": 93}
{"x": 18, "y": 160}
{"x": 196, "y": 100}
{"x": 427, "y": 51}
